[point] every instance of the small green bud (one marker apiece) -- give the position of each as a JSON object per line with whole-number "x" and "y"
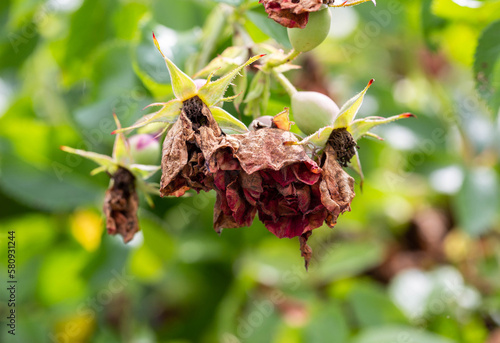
{"x": 312, "y": 111}
{"x": 313, "y": 34}
{"x": 145, "y": 149}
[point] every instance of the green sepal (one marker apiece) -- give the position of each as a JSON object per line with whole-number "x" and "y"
{"x": 121, "y": 150}
{"x": 360, "y": 127}
{"x": 213, "y": 91}
{"x": 230, "y": 58}
{"x": 319, "y": 138}
{"x": 355, "y": 164}
{"x": 105, "y": 162}
{"x": 143, "y": 171}
{"x": 349, "y": 110}
{"x": 183, "y": 86}
{"x": 227, "y": 122}
{"x": 348, "y": 3}
{"x": 167, "y": 114}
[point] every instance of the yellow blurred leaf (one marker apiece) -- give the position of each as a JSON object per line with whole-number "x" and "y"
{"x": 75, "y": 329}
{"x": 86, "y": 227}
{"x": 145, "y": 264}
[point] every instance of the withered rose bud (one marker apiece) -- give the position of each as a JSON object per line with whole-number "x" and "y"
{"x": 194, "y": 134}
{"x": 120, "y": 205}
{"x": 291, "y": 13}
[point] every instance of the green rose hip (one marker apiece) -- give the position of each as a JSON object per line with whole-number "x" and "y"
{"x": 312, "y": 111}
{"x": 314, "y": 33}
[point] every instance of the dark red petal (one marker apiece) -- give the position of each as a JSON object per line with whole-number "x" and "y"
{"x": 302, "y": 171}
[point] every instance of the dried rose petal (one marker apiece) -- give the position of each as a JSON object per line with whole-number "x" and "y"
{"x": 120, "y": 205}
{"x": 336, "y": 187}
{"x": 305, "y": 250}
{"x": 183, "y": 156}
{"x": 291, "y": 13}
{"x": 273, "y": 177}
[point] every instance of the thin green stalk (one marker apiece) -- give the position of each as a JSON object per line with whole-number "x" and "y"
{"x": 290, "y": 89}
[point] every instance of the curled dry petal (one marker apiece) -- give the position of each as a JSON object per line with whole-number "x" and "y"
{"x": 183, "y": 155}
{"x": 336, "y": 187}
{"x": 291, "y": 13}
{"x": 120, "y": 205}
{"x": 265, "y": 149}
{"x": 305, "y": 250}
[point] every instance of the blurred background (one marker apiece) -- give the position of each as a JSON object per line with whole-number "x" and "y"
{"x": 417, "y": 259}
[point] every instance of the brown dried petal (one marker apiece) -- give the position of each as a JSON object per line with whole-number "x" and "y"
{"x": 120, "y": 205}
{"x": 305, "y": 250}
{"x": 183, "y": 158}
{"x": 265, "y": 149}
{"x": 291, "y": 13}
{"x": 336, "y": 186}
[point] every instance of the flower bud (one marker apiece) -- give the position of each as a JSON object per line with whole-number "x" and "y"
{"x": 145, "y": 149}
{"x": 312, "y": 111}
{"x": 313, "y": 34}
{"x": 199, "y": 83}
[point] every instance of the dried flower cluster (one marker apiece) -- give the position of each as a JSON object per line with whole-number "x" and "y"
{"x": 258, "y": 172}
{"x": 293, "y": 185}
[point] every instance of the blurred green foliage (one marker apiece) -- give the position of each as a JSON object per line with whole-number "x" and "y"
{"x": 417, "y": 259}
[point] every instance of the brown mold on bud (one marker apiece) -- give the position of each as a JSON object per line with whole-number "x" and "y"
{"x": 120, "y": 205}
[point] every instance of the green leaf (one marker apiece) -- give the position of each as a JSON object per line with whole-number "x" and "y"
{"x": 485, "y": 60}
{"x": 430, "y": 24}
{"x": 349, "y": 110}
{"x": 258, "y": 16}
{"x": 42, "y": 189}
{"x": 180, "y": 15}
{"x": 348, "y": 260}
{"x": 373, "y": 307}
{"x": 399, "y": 333}
{"x": 227, "y": 122}
{"x": 82, "y": 42}
{"x": 478, "y": 201}
{"x": 327, "y": 325}
{"x": 258, "y": 95}
{"x": 256, "y": 87}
